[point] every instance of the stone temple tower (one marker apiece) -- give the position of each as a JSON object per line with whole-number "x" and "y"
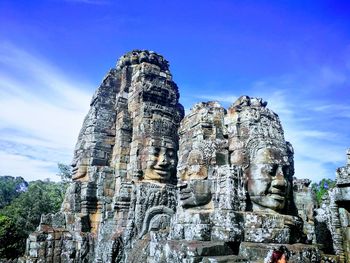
{"x": 124, "y": 164}
{"x": 151, "y": 185}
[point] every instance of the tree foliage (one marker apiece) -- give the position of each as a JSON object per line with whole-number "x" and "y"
{"x": 8, "y": 237}
{"x": 321, "y": 188}
{"x": 22, "y": 215}
{"x": 10, "y": 188}
{"x": 65, "y": 172}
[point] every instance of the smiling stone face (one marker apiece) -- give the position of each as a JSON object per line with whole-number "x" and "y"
{"x": 267, "y": 180}
{"x": 161, "y": 164}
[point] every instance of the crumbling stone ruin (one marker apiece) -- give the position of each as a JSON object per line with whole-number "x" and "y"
{"x": 333, "y": 217}
{"x": 305, "y": 202}
{"x": 341, "y": 199}
{"x": 152, "y": 185}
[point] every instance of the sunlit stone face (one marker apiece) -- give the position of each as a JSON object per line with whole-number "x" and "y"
{"x": 161, "y": 164}
{"x": 267, "y": 180}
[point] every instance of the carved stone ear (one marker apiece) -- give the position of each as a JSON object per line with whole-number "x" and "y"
{"x": 245, "y": 167}
{"x": 245, "y": 176}
{"x": 138, "y": 174}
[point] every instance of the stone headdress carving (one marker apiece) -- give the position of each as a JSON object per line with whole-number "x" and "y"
{"x": 251, "y": 126}
{"x": 256, "y": 138}
{"x": 152, "y": 107}
{"x": 202, "y": 140}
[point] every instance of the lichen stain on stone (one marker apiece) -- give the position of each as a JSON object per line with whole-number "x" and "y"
{"x": 152, "y": 185}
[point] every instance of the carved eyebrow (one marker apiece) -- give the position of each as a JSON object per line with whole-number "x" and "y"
{"x": 170, "y": 151}
{"x": 156, "y": 150}
{"x": 285, "y": 168}
{"x": 270, "y": 167}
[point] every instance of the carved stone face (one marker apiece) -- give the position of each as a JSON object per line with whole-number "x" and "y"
{"x": 195, "y": 188}
{"x": 195, "y": 193}
{"x": 195, "y": 167}
{"x": 267, "y": 180}
{"x": 161, "y": 164}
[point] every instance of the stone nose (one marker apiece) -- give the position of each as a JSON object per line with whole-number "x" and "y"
{"x": 182, "y": 185}
{"x": 163, "y": 159}
{"x": 279, "y": 181}
{"x": 279, "y": 175}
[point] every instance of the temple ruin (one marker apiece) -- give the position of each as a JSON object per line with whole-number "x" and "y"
{"x": 217, "y": 185}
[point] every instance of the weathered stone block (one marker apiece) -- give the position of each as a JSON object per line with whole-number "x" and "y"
{"x": 234, "y": 180}
{"x": 228, "y": 234}
{"x": 33, "y": 252}
{"x": 266, "y": 235}
{"x": 37, "y": 236}
{"x": 197, "y": 232}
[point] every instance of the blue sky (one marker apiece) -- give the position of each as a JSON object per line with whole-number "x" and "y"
{"x": 54, "y": 54}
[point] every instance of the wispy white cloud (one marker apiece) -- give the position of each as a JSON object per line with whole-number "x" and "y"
{"x": 329, "y": 77}
{"x": 42, "y": 112}
{"x": 278, "y": 102}
{"x": 221, "y": 98}
{"x": 312, "y": 170}
{"x": 338, "y": 110}
{"x": 28, "y": 168}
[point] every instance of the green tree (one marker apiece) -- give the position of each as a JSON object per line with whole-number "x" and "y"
{"x": 321, "y": 188}
{"x": 42, "y": 197}
{"x": 8, "y": 237}
{"x": 10, "y": 188}
{"x": 65, "y": 172}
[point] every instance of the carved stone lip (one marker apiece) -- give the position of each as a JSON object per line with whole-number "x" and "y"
{"x": 161, "y": 171}
{"x": 278, "y": 196}
{"x": 186, "y": 190}
{"x": 185, "y": 196}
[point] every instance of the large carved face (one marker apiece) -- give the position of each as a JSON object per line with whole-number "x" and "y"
{"x": 161, "y": 163}
{"x": 195, "y": 193}
{"x": 195, "y": 188}
{"x": 267, "y": 180}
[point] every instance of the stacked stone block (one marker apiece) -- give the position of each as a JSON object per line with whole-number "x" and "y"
{"x": 152, "y": 186}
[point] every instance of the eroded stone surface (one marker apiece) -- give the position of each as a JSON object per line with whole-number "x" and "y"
{"x": 333, "y": 217}
{"x": 256, "y": 139}
{"x": 217, "y": 187}
{"x": 305, "y": 201}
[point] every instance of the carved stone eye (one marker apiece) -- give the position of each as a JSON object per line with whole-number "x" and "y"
{"x": 271, "y": 169}
{"x": 285, "y": 169}
{"x": 156, "y": 151}
{"x": 171, "y": 153}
